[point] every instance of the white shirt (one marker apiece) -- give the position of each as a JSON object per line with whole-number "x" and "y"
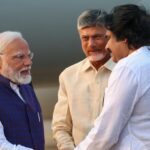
{"x": 4, "y": 143}
{"x": 124, "y": 123}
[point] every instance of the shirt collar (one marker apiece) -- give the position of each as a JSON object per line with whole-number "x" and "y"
{"x": 141, "y": 49}
{"x": 87, "y": 65}
{"x": 110, "y": 64}
{"x": 14, "y": 86}
{"x": 4, "y": 81}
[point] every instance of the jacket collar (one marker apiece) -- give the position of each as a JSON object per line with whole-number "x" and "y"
{"x": 5, "y": 81}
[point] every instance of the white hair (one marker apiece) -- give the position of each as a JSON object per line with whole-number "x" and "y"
{"x": 7, "y": 37}
{"x": 91, "y": 17}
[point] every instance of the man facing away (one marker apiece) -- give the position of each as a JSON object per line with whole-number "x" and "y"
{"x": 21, "y": 125}
{"x": 82, "y": 85}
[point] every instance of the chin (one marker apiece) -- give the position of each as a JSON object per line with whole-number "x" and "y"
{"x": 23, "y": 79}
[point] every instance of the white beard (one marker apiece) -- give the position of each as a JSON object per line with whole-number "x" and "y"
{"x": 16, "y": 77}
{"x": 96, "y": 56}
{"x": 24, "y": 80}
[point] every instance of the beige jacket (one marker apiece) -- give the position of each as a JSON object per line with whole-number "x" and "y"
{"x": 80, "y": 100}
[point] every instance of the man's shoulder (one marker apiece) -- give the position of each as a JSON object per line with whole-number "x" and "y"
{"x": 75, "y": 67}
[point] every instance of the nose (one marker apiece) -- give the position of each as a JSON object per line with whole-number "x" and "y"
{"x": 107, "y": 47}
{"x": 27, "y": 61}
{"x": 91, "y": 42}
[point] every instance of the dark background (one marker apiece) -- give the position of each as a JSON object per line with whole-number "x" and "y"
{"x": 50, "y": 28}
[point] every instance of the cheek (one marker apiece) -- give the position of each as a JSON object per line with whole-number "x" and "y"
{"x": 84, "y": 47}
{"x": 115, "y": 50}
{"x": 109, "y": 44}
{"x": 102, "y": 42}
{"x": 16, "y": 66}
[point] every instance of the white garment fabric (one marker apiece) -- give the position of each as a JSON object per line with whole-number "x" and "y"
{"x": 15, "y": 88}
{"x": 4, "y": 143}
{"x": 80, "y": 100}
{"x": 124, "y": 123}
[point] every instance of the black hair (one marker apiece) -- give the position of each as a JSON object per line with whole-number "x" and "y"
{"x": 130, "y": 22}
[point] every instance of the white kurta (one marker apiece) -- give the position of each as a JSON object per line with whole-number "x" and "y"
{"x": 124, "y": 123}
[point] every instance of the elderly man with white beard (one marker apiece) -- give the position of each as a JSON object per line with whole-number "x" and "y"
{"x": 21, "y": 125}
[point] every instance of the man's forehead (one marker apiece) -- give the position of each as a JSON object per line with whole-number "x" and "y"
{"x": 22, "y": 51}
{"x": 92, "y": 30}
{"x": 17, "y": 51}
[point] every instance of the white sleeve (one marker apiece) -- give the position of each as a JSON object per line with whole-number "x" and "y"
{"x": 120, "y": 98}
{"x": 5, "y": 145}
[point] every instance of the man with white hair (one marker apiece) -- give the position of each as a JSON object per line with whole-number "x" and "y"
{"x": 21, "y": 124}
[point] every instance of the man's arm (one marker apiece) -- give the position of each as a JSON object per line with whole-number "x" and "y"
{"x": 62, "y": 124}
{"x": 6, "y": 145}
{"x": 120, "y": 99}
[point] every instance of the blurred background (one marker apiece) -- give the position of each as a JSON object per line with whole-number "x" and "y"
{"x": 50, "y": 28}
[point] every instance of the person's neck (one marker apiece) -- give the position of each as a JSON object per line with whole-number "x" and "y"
{"x": 98, "y": 64}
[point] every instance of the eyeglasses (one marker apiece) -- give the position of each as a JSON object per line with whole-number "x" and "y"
{"x": 21, "y": 56}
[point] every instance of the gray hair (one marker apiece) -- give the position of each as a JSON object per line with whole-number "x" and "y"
{"x": 91, "y": 17}
{"x": 7, "y": 37}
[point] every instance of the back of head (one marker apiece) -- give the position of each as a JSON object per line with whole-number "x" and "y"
{"x": 130, "y": 22}
{"x": 89, "y": 18}
{"x": 7, "y": 37}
